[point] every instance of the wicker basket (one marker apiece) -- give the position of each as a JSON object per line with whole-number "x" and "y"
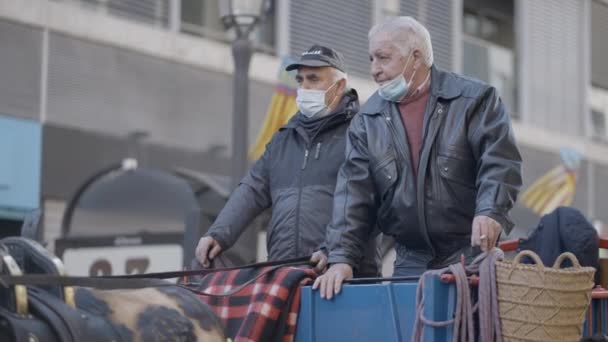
{"x": 538, "y": 303}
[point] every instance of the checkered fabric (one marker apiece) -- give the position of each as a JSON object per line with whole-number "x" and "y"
{"x": 265, "y": 310}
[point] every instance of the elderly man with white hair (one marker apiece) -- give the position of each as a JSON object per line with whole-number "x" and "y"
{"x": 430, "y": 159}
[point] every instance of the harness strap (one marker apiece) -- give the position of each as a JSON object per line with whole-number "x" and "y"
{"x": 138, "y": 281}
{"x": 205, "y": 271}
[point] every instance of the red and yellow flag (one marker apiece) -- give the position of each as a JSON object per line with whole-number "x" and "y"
{"x": 556, "y": 188}
{"x": 282, "y": 108}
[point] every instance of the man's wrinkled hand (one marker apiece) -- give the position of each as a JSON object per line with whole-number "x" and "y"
{"x": 330, "y": 283}
{"x": 207, "y": 249}
{"x": 485, "y": 232}
{"x": 319, "y": 258}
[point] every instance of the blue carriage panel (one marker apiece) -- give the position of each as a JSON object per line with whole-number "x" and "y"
{"x": 381, "y": 312}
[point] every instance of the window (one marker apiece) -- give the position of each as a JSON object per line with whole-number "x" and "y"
{"x": 599, "y": 113}
{"x": 386, "y": 9}
{"x": 151, "y": 12}
{"x": 598, "y": 119}
{"x": 202, "y": 18}
{"x": 488, "y": 46}
{"x": 198, "y": 17}
{"x": 495, "y": 29}
{"x": 390, "y": 8}
{"x": 598, "y": 101}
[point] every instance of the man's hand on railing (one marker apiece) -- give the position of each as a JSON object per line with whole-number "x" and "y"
{"x": 330, "y": 283}
{"x": 207, "y": 249}
{"x": 319, "y": 258}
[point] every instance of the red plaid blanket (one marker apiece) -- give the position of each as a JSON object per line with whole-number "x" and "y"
{"x": 265, "y": 310}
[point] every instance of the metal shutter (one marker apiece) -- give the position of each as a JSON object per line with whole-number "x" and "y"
{"x": 154, "y": 12}
{"x": 599, "y": 44}
{"x": 550, "y": 62}
{"x": 438, "y": 18}
{"x": 409, "y": 8}
{"x": 148, "y": 11}
{"x": 20, "y": 69}
{"x": 342, "y": 24}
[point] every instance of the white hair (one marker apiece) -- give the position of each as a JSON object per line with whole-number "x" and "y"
{"x": 338, "y": 75}
{"x": 407, "y": 34}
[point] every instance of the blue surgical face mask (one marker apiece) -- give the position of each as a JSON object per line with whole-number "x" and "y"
{"x": 396, "y": 89}
{"x": 311, "y": 102}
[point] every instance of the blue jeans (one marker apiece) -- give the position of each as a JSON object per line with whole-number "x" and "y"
{"x": 410, "y": 262}
{"x": 415, "y": 262}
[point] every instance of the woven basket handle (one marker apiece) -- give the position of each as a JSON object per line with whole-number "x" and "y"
{"x": 567, "y": 255}
{"x": 534, "y": 256}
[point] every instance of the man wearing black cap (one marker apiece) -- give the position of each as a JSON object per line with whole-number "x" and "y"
{"x": 296, "y": 175}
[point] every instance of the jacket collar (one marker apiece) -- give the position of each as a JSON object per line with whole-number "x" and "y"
{"x": 443, "y": 85}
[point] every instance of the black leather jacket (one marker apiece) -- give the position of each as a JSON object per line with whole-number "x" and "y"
{"x": 469, "y": 166}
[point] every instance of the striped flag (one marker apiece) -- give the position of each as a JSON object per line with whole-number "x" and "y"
{"x": 282, "y": 107}
{"x": 555, "y": 188}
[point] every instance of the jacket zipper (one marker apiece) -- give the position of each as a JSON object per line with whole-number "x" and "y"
{"x": 402, "y": 150}
{"x": 404, "y": 154}
{"x": 298, "y": 204}
{"x": 305, "y": 160}
{"x": 318, "y": 150}
{"x": 304, "y": 164}
{"x": 429, "y": 115}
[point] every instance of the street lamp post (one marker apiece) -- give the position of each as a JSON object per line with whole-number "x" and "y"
{"x": 243, "y": 16}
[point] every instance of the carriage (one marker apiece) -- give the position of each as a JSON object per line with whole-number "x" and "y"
{"x": 367, "y": 309}
{"x": 387, "y": 311}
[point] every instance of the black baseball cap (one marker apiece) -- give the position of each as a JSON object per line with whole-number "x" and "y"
{"x": 319, "y": 56}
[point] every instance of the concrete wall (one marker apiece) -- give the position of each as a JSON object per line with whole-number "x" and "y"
{"x": 92, "y": 78}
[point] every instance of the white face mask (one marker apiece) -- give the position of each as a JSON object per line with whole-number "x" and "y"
{"x": 311, "y": 102}
{"x": 396, "y": 89}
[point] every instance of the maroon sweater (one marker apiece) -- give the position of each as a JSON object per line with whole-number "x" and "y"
{"x": 412, "y": 114}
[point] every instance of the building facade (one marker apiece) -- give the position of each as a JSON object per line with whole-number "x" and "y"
{"x": 92, "y": 74}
